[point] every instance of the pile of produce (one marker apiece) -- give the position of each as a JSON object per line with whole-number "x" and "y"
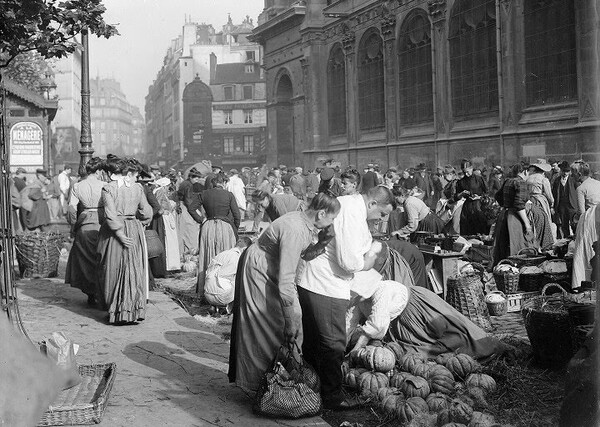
{"x": 450, "y": 391}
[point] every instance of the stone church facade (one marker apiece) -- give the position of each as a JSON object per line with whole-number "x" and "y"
{"x": 408, "y": 81}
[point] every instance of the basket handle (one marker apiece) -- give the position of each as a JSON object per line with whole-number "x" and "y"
{"x": 476, "y": 266}
{"x": 528, "y": 251}
{"x": 553, "y": 285}
{"x": 507, "y": 261}
{"x": 502, "y": 294}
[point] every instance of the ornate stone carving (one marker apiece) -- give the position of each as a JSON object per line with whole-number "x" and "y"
{"x": 588, "y": 111}
{"x": 348, "y": 42}
{"x": 388, "y": 26}
{"x": 507, "y": 5}
{"x": 437, "y": 10}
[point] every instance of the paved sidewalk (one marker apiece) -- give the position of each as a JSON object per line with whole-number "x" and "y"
{"x": 171, "y": 370}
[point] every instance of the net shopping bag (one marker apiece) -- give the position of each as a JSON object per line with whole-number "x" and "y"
{"x": 290, "y": 388}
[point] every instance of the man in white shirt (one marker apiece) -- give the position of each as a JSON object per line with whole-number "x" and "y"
{"x": 64, "y": 183}
{"x": 236, "y": 186}
{"x": 219, "y": 284}
{"x": 324, "y": 289}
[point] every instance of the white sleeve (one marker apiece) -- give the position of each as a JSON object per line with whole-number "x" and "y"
{"x": 378, "y": 321}
{"x": 351, "y": 238}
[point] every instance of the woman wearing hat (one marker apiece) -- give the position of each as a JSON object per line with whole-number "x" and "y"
{"x": 540, "y": 193}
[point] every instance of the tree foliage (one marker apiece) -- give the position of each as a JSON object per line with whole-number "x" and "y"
{"x": 28, "y": 69}
{"x": 48, "y": 26}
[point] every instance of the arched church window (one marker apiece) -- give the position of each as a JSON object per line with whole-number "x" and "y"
{"x": 371, "y": 99}
{"x": 473, "y": 65}
{"x": 414, "y": 69}
{"x": 336, "y": 91}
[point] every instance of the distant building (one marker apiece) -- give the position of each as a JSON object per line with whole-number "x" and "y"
{"x": 113, "y": 120}
{"x": 28, "y": 122}
{"x": 67, "y": 123}
{"x": 188, "y": 57}
{"x": 138, "y": 134}
{"x": 239, "y": 115}
{"x": 433, "y": 81}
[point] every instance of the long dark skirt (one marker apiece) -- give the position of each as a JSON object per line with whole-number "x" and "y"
{"x": 158, "y": 265}
{"x": 431, "y": 326}
{"x": 123, "y": 273}
{"x": 432, "y": 223}
{"x": 472, "y": 219}
{"x": 82, "y": 266}
{"x": 509, "y": 235}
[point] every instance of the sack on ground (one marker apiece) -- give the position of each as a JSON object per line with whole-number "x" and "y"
{"x": 289, "y": 389}
{"x": 61, "y": 351}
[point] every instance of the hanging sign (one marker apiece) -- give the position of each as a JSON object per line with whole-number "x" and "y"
{"x": 26, "y": 144}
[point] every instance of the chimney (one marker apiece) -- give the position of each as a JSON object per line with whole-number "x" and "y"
{"x": 213, "y": 66}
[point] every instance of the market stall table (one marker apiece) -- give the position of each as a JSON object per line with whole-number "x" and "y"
{"x": 440, "y": 266}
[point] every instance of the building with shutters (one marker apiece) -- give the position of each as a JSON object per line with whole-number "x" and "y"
{"x": 188, "y": 58}
{"x": 408, "y": 81}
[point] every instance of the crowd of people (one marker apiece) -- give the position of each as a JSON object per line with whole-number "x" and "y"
{"x": 320, "y": 258}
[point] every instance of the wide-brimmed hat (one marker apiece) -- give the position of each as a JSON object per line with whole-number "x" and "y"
{"x": 543, "y": 166}
{"x": 42, "y": 172}
{"x": 564, "y": 166}
{"x": 193, "y": 173}
{"x": 233, "y": 171}
{"x": 421, "y": 167}
{"x": 145, "y": 176}
{"x": 163, "y": 182}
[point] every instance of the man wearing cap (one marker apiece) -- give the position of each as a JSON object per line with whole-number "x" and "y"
{"x": 369, "y": 179}
{"x": 330, "y": 183}
{"x": 17, "y": 185}
{"x": 564, "y": 191}
{"x": 424, "y": 183}
{"x": 236, "y": 186}
{"x": 209, "y": 177}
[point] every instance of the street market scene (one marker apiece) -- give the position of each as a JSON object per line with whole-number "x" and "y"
{"x": 299, "y": 213}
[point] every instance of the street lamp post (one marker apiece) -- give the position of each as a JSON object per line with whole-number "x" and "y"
{"x": 85, "y": 139}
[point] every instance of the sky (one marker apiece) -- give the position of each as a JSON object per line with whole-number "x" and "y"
{"x": 147, "y": 28}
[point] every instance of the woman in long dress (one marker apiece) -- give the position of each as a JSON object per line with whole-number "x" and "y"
{"x": 267, "y": 312}
{"x": 415, "y": 318}
{"x": 540, "y": 192}
{"x": 471, "y": 188}
{"x": 122, "y": 243}
{"x": 84, "y": 200}
{"x": 167, "y": 226}
{"x": 218, "y": 232}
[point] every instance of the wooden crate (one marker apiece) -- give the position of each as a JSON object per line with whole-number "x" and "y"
{"x": 515, "y": 301}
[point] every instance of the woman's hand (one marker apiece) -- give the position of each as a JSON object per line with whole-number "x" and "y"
{"x": 291, "y": 329}
{"x": 127, "y": 242}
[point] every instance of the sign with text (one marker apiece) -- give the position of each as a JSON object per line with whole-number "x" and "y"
{"x": 26, "y": 144}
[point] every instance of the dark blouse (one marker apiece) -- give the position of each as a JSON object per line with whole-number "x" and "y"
{"x": 475, "y": 184}
{"x": 513, "y": 194}
{"x": 217, "y": 203}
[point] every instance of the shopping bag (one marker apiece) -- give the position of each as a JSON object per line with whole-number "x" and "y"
{"x": 290, "y": 388}
{"x": 61, "y": 351}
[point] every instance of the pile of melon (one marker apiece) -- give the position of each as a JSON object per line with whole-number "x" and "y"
{"x": 450, "y": 391}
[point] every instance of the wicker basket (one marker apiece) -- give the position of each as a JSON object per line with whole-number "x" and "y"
{"x": 549, "y": 328}
{"x": 84, "y": 403}
{"x": 532, "y": 282}
{"x": 515, "y": 301}
{"x": 38, "y": 253}
{"x": 497, "y": 308}
{"x": 465, "y": 294}
{"x": 506, "y": 281}
{"x": 527, "y": 257}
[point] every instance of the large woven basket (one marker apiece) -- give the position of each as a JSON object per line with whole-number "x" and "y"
{"x": 549, "y": 328}
{"x": 506, "y": 281}
{"x": 497, "y": 308}
{"x": 38, "y": 253}
{"x": 527, "y": 257}
{"x": 85, "y": 403}
{"x": 532, "y": 282}
{"x": 465, "y": 294}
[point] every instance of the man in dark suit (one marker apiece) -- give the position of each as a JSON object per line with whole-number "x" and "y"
{"x": 424, "y": 183}
{"x": 564, "y": 191}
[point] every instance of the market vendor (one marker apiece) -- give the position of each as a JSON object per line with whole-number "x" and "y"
{"x": 415, "y": 318}
{"x": 471, "y": 188}
{"x": 272, "y": 206}
{"x": 419, "y": 216}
